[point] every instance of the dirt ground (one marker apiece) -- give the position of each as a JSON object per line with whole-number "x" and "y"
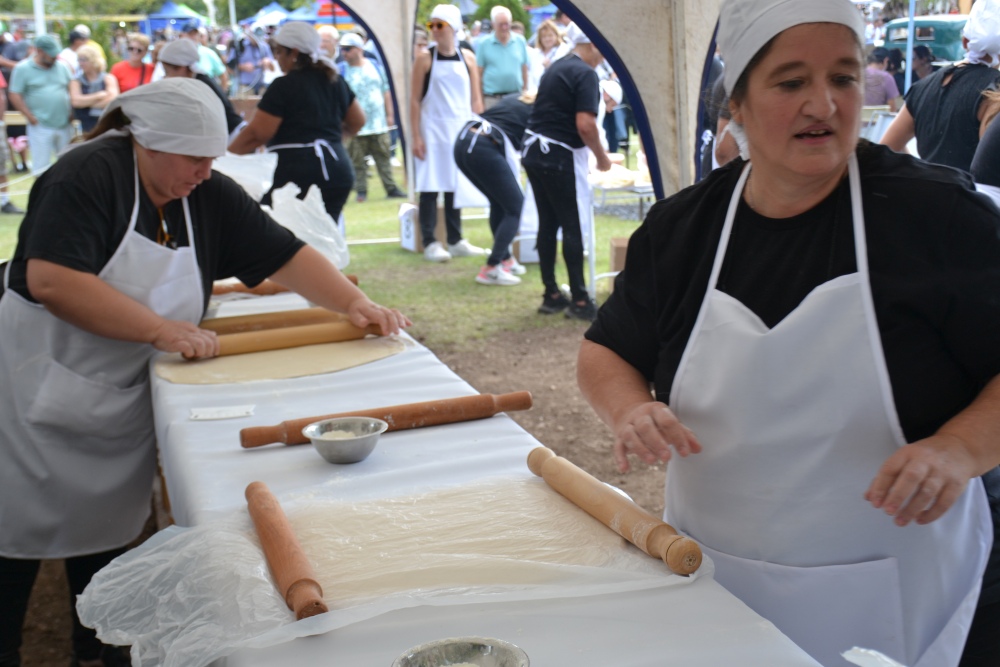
{"x": 541, "y": 361}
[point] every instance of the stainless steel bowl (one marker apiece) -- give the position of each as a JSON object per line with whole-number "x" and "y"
{"x": 345, "y": 439}
{"x": 478, "y": 651}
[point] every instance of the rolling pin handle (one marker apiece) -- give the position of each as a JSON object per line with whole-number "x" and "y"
{"x": 682, "y": 555}
{"x": 537, "y": 458}
{"x": 257, "y": 436}
{"x": 517, "y": 400}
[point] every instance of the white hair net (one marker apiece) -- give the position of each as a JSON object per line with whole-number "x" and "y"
{"x": 182, "y": 53}
{"x": 450, "y": 14}
{"x": 303, "y": 37}
{"x": 983, "y": 32}
{"x": 745, "y": 26}
{"x": 178, "y": 115}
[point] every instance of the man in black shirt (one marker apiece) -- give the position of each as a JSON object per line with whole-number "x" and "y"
{"x": 563, "y": 125}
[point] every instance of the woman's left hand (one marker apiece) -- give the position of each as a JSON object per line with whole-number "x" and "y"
{"x": 922, "y": 480}
{"x": 364, "y": 312}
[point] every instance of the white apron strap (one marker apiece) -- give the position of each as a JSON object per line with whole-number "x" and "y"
{"x": 318, "y": 147}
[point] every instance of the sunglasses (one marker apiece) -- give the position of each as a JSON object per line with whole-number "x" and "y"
{"x": 437, "y": 25}
{"x": 136, "y": 49}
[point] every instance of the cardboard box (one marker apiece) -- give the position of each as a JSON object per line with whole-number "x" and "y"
{"x": 410, "y": 237}
{"x": 619, "y": 247}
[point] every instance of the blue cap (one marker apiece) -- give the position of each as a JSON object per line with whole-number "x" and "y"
{"x": 191, "y": 25}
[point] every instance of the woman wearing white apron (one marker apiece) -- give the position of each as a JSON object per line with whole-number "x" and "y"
{"x": 444, "y": 95}
{"x": 562, "y": 132}
{"x": 827, "y": 353}
{"x": 116, "y": 257}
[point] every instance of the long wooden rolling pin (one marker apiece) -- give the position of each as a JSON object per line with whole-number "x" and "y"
{"x": 293, "y": 575}
{"x": 399, "y": 417}
{"x": 275, "y": 320}
{"x": 658, "y": 539}
{"x": 265, "y": 288}
{"x": 279, "y": 339}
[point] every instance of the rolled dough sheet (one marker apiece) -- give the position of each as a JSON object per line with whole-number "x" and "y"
{"x": 279, "y": 364}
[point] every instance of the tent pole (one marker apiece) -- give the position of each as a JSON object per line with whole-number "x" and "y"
{"x": 908, "y": 80}
{"x": 39, "y": 7}
{"x": 232, "y": 15}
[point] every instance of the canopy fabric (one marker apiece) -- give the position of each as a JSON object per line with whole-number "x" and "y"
{"x": 171, "y": 15}
{"x": 272, "y": 14}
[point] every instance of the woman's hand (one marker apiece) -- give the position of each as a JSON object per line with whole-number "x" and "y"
{"x": 364, "y": 312}
{"x": 650, "y": 430}
{"x": 186, "y": 338}
{"x": 419, "y": 148}
{"x": 922, "y": 480}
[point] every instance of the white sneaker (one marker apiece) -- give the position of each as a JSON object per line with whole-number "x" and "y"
{"x": 465, "y": 249}
{"x": 513, "y": 267}
{"x": 495, "y": 275}
{"x": 435, "y": 252}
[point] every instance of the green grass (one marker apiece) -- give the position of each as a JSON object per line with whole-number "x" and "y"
{"x": 447, "y": 306}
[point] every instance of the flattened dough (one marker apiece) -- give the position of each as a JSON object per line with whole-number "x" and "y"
{"x": 279, "y": 364}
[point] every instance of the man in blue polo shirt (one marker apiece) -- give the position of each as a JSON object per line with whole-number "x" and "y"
{"x": 502, "y": 58}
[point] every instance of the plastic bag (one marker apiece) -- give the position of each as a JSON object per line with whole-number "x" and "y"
{"x": 868, "y": 658}
{"x": 254, "y": 172}
{"x": 308, "y": 219}
{"x": 189, "y": 596}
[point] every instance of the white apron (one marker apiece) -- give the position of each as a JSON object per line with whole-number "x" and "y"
{"x": 76, "y": 418}
{"x": 444, "y": 111}
{"x": 795, "y": 422}
{"x": 513, "y": 158}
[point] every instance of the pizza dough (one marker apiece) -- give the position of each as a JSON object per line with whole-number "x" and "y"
{"x": 279, "y": 364}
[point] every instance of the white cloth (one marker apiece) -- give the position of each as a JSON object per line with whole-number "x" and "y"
{"x": 304, "y": 38}
{"x": 178, "y": 115}
{"x": 45, "y": 142}
{"x": 796, "y": 421}
{"x": 575, "y": 35}
{"x": 76, "y": 420}
{"x": 180, "y": 52}
{"x": 450, "y": 14}
{"x": 983, "y": 32}
{"x": 745, "y": 26}
{"x": 444, "y": 111}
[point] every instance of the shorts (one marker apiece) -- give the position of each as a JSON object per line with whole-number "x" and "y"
{"x": 4, "y": 150}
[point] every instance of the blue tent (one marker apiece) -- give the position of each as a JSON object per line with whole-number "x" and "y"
{"x": 309, "y": 13}
{"x": 539, "y": 14}
{"x": 273, "y": 8}
{"x": 171, "y": 15}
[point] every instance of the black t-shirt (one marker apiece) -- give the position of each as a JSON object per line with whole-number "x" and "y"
{"x": 945, "y": 117}
{"x": 569, "y": 86}
{"x": 986, "y": 163}
{"x": 233, "y": 119}
{"x": 310, "y": 106}
{"x": 934, "y": 262}
{"x": 79, "y": 210}
{"x": 510, "y": 114}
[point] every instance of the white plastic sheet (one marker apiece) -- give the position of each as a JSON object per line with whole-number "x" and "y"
{"x": 254, "y": 172}
{"x": 308, "y": 219}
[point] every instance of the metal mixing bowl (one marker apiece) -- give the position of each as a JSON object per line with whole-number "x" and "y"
{"x": 345, "y": 439}
{"x": 478, "y": 651}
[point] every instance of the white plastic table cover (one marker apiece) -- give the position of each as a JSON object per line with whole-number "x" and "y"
{"x": 206, "y": 472}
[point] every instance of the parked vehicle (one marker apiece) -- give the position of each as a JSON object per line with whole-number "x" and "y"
{"x": 941, "y": 34}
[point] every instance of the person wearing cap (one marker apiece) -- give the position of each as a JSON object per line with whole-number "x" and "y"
{"x": 134, "y": 71}
{"x": 92, "y": 89}
{"x": 39, "y": 89}
{"x": 818, "y": 324}
{"x": 116, "y": 258}
{"x": 252, "y": 58}
{"x": 68, "y": 55}
{"x": 303, "y": 116}
{"x": 84, "y": 31}
{"x": 179, "y": 58}
{"x": 561, "y": 135}
{"x": 944, "y": 110}
{"x": 209, "y": 62}
{"x": 444, "y": 95}
{"x": 372, "y": 90}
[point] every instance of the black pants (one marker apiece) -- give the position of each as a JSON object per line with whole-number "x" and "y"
{"x": 428, "y": 208}
{"x": 486, "y": 166}
{"x": 555, "y": 197}
{"x": 302, "y": 167}
{"x": 982, "y": 648}
{"x": 17, "y": 577}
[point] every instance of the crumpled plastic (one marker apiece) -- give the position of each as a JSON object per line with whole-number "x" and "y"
{"x": 307, "y": 219}
{"x": 254, "y": 172}
{"x": 864, "y": 657}
{"x": 192, "y": 595}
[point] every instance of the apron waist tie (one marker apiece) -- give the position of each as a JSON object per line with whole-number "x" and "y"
{"x": 317, "y": 147}
{"x": 544, "y": 143}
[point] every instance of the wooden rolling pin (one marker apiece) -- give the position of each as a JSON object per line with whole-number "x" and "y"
{"x": 280, "y": 339}
{"x": 276, "y": 320}
{"x": 265, "y": 288}
{"x": 399, "y": 417}
{"x": 293, "y": 575}
{"x": 658, "y": 539}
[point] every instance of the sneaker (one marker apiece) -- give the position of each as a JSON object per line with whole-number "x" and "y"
{"x": 552, "y": 304}
{"x": 362, "y": 197}
{"x": 435, "y": 252}
{"x": 513, "y": 267}
{"x": 465, "y": 249}
{"x": 496, "y": 275}
{"x": 396, "y": 193}
{"x": 11, "y": 208}
{"x": 586, "y": 311}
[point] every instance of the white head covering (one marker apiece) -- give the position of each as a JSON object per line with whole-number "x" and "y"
{"x": 613, "y": 89}
{"x": 574, "y": 35}
{"x": 302, "y": 36}
{"x": 178, "y": 115}
{"x": 181, "y": 52}
{"x": 450, "y": 14}
{"x": 352, "y": 39}
{"x": 983, "y": 32}
{"x": 745, "y": 26}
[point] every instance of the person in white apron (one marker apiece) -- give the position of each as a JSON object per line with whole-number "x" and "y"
{"x": 303, "y": 117}
{"x": 832, "y": 479}
{"x": 123, "y": 237}
{"x": 487, "y": 151}
{"x": 444, "y": 95}
{"x": 562, "y": 132}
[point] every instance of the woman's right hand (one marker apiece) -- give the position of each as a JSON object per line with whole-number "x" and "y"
{"x": 649, "y": 431}
{"x": 186, "y": 338}
{"x": 419, "y": 148}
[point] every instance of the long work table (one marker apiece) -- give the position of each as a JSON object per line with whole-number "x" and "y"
{"x": 206, "y": 472}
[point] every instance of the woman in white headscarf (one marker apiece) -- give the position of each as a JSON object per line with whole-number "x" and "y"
{"x": 303, "y": 117}
{"x": 945, "y": 110}
{"x": 818, "y": 322}
{"x": 116, "y": 257}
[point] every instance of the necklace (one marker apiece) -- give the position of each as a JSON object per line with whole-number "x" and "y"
{"x": 163, "y": 236}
